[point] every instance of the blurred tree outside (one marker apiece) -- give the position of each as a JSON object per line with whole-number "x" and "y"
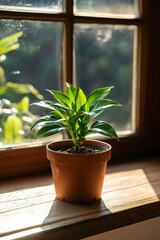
{"x": 105, "y": 54}
{"x": 15, "y": 118}
{"x": 117, "y": 7}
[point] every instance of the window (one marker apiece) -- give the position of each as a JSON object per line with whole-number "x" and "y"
{"x": 92, "y": 43}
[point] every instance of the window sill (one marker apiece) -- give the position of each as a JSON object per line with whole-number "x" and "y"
{"x": 29, "y": 209}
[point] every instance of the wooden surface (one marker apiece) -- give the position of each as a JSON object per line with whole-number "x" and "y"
{"x": 29, "y": 209}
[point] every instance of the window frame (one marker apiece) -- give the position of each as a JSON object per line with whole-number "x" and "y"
{"x": 20, "y": 162}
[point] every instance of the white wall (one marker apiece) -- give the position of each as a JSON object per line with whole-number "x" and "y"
{"x": 147, "y": 230}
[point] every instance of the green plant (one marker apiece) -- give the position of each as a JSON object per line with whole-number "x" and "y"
{"x": 74, "y": 111}
{"x": 8, "y": 44}
{"x": 15, "y": 121}
{"x": 15, "y": 118}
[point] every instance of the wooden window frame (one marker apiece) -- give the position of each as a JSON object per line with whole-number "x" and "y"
{"x": 24, "y": 161}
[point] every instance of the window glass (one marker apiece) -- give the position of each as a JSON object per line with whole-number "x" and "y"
{"x": 26, "y": 73}
{"x": 50, "y": 6}
{"x": 104, "y": 56}
{"x": 107, "y": 8}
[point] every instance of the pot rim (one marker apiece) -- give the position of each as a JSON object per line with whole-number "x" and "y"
{"x": 78, "y": 159}
{"x": 65, "y": 142}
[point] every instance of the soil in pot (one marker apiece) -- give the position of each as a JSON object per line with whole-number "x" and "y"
{"x": 83, "y": 149}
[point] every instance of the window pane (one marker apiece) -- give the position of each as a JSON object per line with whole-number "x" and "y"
{"x": 104, "y": 56}
{"x": 107, "y": 8}
{"x": 51, "y": 6}
{"x": 36, "y": 62}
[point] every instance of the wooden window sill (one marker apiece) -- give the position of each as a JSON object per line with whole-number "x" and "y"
{"x": 29, "y": 209}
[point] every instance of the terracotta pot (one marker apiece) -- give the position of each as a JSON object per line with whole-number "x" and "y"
{"x": 78, "y": 177}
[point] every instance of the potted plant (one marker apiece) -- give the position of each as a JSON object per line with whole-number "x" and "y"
{"x": 78, "y": 165}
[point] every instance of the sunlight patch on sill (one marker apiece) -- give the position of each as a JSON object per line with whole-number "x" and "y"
{"x": 16, "y": 202}
{"x": 22, "y": 234}
{"x": 140, "y": 185}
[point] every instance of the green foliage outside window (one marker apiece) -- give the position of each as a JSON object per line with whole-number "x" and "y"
{"x": 15, "y": 118}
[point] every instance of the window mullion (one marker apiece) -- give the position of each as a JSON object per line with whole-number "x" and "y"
{"x": 68, "y": 41}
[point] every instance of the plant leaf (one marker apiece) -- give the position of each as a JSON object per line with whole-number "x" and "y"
{"x": 103, "y": 104}
{"x": 80, "y": 99}
{"x": 9, "y": 43}
{"x": 22, "y": 88}
{"x": 39, "y": 120}
{"x": 60, "y": 106}
{"x": 61, "y": 97}
{"x": 12, "y": 127}
{"x": 44, "y": 104}
{"x": 97, "y": 94}
{"x": 49, "y": 130}
{"x": 48, "y": 121}
{"x": 104, "y": 129}
{"x": 23, "y": 105}
{"x": 58, "y": 114}
{"x": 70, "y": 91}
